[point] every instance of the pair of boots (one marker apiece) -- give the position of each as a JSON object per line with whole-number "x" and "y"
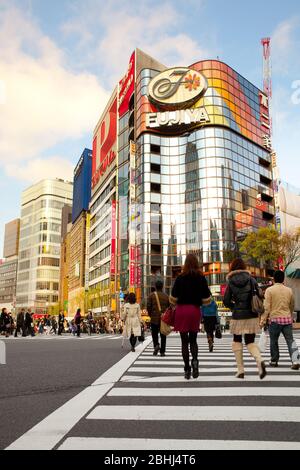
{"x": 188, "y": 370}
{"x": 253, "y": 349}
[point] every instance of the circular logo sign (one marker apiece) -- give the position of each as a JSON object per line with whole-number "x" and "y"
{"x": 177, "y": 88}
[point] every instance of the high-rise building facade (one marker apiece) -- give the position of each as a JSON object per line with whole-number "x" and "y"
{"x": 79, "y": 234}
{"x": 9, "y": 266}
{"x": 40, "y": 243}
{"x": 181, "y": 163}
{"x": 66, "y": 225}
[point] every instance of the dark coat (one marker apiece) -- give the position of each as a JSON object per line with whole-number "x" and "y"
{"x": 238, "y": 295}
{"x": 152, "y": 307}
{"x": 28, "y": 320}
{"x": 77, "y": 319}
{"x": 191, "y": 290}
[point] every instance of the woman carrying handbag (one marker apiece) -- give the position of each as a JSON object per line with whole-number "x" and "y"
{"x": 190, "y": 291}
{"x": 157, "y": 303}
{"x": 245, "y": 322}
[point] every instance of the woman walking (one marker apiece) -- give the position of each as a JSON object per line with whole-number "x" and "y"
{"x": 210, "y": 321}
{"x": 131, "y": 315}
{"x": 190, "y": 291}
{"x": 245, "y": 322}
{"x": 77, "y": 320}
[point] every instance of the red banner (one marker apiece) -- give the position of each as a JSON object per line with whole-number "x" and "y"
{"x": 106, "y": 140}
{"x": 126, "y": 87}
{"x": 113, "y": 239}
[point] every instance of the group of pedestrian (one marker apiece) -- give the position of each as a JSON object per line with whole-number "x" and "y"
{"x": 192, "y": 301}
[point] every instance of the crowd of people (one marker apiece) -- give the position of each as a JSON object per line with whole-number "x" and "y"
{"x": 191, "y": 301}
{"x": 190, "y": 304}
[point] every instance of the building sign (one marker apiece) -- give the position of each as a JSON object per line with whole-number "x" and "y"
{"x": 113, "y": 239}
{"x": 105, "y": 143}
{"x": 126, "y": 87}
{"x": 177, "y": 118}
{"x": 177, "y": 88}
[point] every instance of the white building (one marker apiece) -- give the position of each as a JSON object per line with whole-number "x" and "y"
{"x": 39, "y": 248}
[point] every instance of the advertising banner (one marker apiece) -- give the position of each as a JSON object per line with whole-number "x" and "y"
{"x": 126, "y": 87}
{"x": 113, "y": 239}
{"x": 105, "y": 143}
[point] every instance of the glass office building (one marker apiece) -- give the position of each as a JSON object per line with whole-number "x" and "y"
{"x": 193, "y": 170}
{"x": 40, "y": 243}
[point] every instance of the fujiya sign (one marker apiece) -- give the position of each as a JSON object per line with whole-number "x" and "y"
{"x": 177, "y": 88}
{"x": 176, "y": 118}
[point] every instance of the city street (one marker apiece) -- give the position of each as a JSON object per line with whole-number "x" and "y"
{"x": 89, "y": 393}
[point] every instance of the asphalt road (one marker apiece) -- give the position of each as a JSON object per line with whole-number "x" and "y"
{"x": 41, "y": 374}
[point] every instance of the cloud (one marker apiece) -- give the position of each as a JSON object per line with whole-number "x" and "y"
{"x": 38, "y": 169}
{"x": 285, "y": 46}
{"x": 44, "y": 102}
{"x": 118, "y": 29}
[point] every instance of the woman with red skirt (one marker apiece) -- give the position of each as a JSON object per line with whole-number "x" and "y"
{"x": 190, "y": 291}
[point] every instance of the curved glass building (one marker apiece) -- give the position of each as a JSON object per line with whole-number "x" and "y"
{"x": 192, "y": 171}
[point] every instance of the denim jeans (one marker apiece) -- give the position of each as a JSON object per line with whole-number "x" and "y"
{"x": 287, "y": 331}
{"x": 155, "y": 330}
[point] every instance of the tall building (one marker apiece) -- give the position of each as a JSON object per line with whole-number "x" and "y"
{"x": 79, "y": 234}
{"x": 40, "y": 238}
{"x": 66, "y": 225}
{"x": 181, "y": 163}
{"x": 9, "y": 266}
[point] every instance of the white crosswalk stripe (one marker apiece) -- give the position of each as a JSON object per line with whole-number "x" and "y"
{"x": 144, "y": 402}
{"x": 216, "y": 382}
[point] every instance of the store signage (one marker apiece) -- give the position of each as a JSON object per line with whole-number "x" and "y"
{"x": 104, "y": 144}
{"x": 177, "y": 88}
{"x": 113, "y": 238}
{"x": 126, "y": 87}
{"x": 177, "y": 118}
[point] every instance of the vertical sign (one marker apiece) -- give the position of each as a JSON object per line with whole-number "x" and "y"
{"x": 132, "y": 240}
{"x": 113, "y": 239}
{"x": 126, "y": 87}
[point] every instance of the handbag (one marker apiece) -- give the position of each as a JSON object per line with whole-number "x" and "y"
{"x": 218, "y": 333}
{"x": 168, "y": 316}
{"x": 142, "y": 337}
{"x": 166, "y": 320}
{"x": 257, "y": 304}
{"x": 164, "y": 328}
{"x": 262, "y": 343}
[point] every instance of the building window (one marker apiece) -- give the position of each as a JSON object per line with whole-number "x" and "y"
{"x": 154, "y": 148}
{"x": 155, "y": 188}
{"x": 155, "y": 168}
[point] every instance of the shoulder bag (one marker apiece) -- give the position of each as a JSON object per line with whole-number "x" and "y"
{"x": 257, "y": 304}
{"x": 165, "y": 328}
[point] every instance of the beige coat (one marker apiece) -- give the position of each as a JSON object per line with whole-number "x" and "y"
{"x": 279, "y": 302}
{"x": 131, "y": 315}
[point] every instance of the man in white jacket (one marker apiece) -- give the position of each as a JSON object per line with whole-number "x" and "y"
{"x": 279, "y": 307}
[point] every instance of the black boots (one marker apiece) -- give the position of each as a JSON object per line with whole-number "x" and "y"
{"x": 195, "y": 366}
{"x": 210, "y": 344}
{"x": 187, "y": 373}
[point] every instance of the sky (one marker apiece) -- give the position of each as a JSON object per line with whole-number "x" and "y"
{"x": 60, "y": 60}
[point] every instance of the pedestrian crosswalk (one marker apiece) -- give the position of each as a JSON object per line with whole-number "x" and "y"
{"x": 165, "y": 411}
{"x": 149, "y": 405}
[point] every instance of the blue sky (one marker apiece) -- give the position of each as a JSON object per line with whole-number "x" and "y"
{"x": 59, "y": 61}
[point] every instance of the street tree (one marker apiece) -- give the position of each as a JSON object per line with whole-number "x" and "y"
{"x": 290, "y": 247}
{"x": 262, "y": 246}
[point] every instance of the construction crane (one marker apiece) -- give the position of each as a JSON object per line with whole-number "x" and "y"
{"x": 267, "y": 77}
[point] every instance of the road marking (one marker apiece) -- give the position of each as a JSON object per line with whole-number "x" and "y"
{"x": 289, "y": 377}
{"x": 205, "y": 392}
{"x": 47, "y": 434}
{"x": 225, "y": 362}
{"x": 197, "y": 413}
{"x": 179, "y": 370}
{"x": 94, "y": 443}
